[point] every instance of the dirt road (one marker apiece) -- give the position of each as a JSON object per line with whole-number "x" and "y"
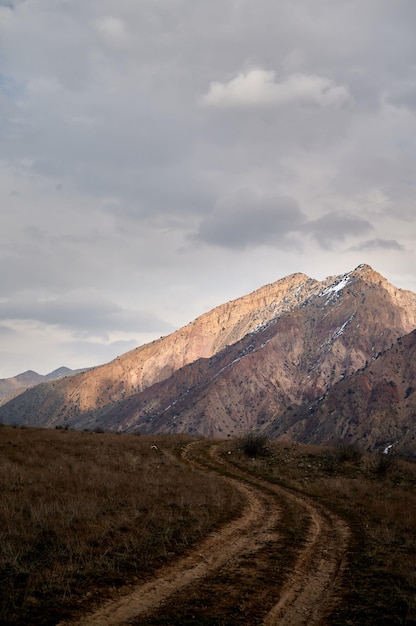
{"x": 280, "y": 563}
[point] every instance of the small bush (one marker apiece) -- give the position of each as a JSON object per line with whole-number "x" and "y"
{"x": 384, "y": 463}
{"x": 254, "y": 444}
{"x": 349, "y": 452}
{"x": 330, "y": 462}
{"x": 332, "y": 458}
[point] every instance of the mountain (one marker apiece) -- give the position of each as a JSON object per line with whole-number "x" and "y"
{"x": 61, "y": 372}
{"x": 237, "y": 367}
{"x": 26, "y": 379}
{"x": 291, "y": 361}
{"x": 16, "y": 384}
{"x": 146, "y": 365}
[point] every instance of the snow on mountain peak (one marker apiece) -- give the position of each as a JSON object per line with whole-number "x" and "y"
{"x": 337, "y": 286}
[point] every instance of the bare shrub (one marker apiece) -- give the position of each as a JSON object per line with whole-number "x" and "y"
{"x": 254, "y": 444}
{"x": 383, "y": 462}
{"x": 329, "y": 461}
{"x": 348, "y": 452}
{"x": 343, "y": 452}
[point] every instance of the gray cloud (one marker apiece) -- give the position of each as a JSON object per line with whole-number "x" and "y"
{"x": 88, "y": 313}
{"x": 5, "y": 331}
{"x": 337, "y": 226}
{"x": 248, "y": 219}
{"x": 128, "y": 130}
{"x": 379, "y": 244}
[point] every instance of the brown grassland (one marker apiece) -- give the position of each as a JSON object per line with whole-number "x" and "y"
{"x": 83, "y": 515}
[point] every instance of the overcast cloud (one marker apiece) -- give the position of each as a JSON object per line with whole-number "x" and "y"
{"x": 160, "y": 158}
{"x": 258, "y": 88}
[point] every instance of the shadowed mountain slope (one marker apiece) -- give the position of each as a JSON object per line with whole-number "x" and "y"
{"x": 375, "y": 407}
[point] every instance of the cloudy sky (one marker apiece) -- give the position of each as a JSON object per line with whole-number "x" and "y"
{"x": 160, "y": 157}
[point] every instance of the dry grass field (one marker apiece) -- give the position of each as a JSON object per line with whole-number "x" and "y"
{"x": 83, "y": 513}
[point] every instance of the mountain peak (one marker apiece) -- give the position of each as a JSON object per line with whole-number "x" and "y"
{"x": 366, "y": 272}
{"x": 29, "y": 375}
{"x": 363, "y": 267}
{"x": 362, "y": 271}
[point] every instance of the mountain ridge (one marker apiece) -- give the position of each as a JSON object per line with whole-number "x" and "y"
{"x": 207, "y": 334}
{"x": 237, "y": 367}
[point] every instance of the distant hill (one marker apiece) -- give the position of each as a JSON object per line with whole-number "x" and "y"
{"x": 16, "y": 384}
{"x": 255, "y": 362}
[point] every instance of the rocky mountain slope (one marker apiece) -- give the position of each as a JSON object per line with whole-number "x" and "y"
{"x": 237, "y": 367}
{"x": 375, "y": 407}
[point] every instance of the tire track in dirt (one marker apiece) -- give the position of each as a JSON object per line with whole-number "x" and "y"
{"x": 309, "y": 592}
{"x": 312, "y": 589}
{"x": 246, "y": 534}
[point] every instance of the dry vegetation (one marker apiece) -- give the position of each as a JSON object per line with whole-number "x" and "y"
{"x": 376, "y": 495}
{"x": 85, "y": 514}
{"x": 82, "y": 514}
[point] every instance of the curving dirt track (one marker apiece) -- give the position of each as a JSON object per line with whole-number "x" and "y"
{"x": 308, "y": 592}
